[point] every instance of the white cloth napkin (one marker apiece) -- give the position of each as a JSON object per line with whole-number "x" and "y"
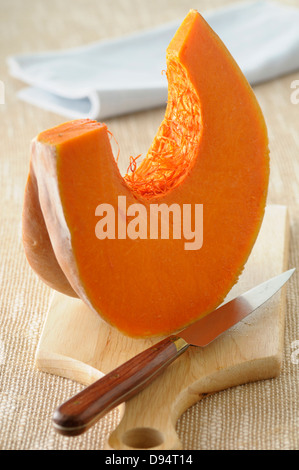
{"x": 124, "y": 75}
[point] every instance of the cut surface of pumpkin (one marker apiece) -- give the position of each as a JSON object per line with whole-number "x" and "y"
{"x": 211, "y": 151}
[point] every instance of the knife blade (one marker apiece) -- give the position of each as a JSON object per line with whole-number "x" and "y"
{"x": 80, "y": 412}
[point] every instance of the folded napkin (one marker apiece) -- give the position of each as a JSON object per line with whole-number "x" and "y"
{"x": 109, "y": 78}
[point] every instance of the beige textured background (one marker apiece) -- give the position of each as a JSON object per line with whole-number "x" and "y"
{"x": 262, "y": 415}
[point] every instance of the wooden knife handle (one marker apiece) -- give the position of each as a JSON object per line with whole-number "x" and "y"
{"x": 83, "y": 410}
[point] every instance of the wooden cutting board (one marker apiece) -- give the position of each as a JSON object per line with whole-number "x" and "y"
{"x": 77, "y": 344}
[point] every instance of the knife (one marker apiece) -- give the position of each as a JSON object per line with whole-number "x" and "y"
{"x": 80, "y": 412}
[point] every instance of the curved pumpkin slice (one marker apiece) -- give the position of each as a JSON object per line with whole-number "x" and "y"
{"x": 211, "y": 151}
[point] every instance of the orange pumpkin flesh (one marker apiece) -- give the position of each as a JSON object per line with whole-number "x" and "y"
{"x": 210, "y": 149}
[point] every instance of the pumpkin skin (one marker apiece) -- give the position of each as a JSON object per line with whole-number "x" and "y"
{"x": 36, "y": 242}
{"x": 153, "y": 287}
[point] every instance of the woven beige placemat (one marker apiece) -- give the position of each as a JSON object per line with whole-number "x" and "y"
{"x": 261, "y": 415}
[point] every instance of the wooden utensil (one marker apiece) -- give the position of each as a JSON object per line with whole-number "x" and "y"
{"x": 84, "y": 409}
{"x": 75, "y": 343}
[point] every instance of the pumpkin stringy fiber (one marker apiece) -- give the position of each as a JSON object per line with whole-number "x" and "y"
{"x": 173, "y": 151}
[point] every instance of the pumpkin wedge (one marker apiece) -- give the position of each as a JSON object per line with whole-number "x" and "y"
{"x": 210, "y": 154}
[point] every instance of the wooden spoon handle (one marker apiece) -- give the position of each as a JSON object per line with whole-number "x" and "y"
{"x": 76, "y": 415}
